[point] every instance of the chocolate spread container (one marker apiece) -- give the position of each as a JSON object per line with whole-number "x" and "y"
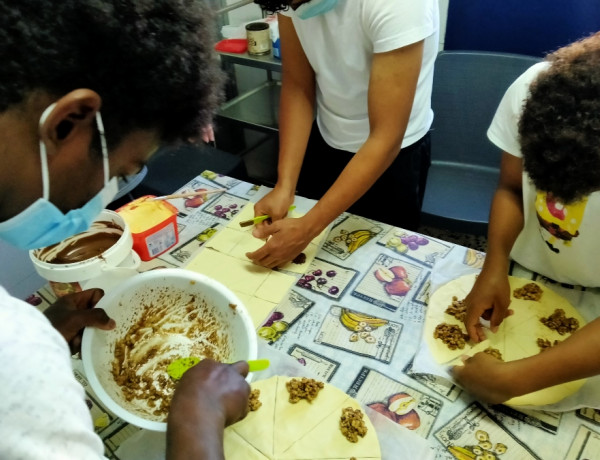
{"x": 106, "y": 246}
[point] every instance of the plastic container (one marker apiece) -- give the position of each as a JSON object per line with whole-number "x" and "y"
{"x": 166, "y": 287}
{"x": 118, "y": 260}
{"x": 232, "y": 45}
{"x": 153, "y": 226}
{"x": 275, "y": 42}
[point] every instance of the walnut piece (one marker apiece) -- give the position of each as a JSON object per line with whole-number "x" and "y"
{"x": 253, "y": 401}
{"x": 494, "y": 352}
{"x": 458, "y": 309}
{"x": 559, "y": 322}
{"x": 545, "y": 344}
{"x": 303, "y": 389}
{"x": 451, "y": 335}
{"x": 530, "y": 291}
{"x": 352, "y": 424}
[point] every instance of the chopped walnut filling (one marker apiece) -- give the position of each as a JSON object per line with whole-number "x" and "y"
{"x": 451, "y": 335}
{"x": 493, "y": 352}
{"x": 352, "y": 424}
{"x": 530, "y": 291}
{"x": 303, "y": 389}
{"x": 458, "y": 309}
{"x": 253, "y": 401}
{"x": 558, "y": 322}
{"x": 545, "y": 344}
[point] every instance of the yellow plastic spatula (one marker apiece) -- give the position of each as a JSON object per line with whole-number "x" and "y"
{"x": 178, "y": 367}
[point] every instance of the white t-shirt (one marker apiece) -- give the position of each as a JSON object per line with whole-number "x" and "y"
{"x": 43, "y": 412}
{"x": 340, "y": 45}
{"x": 558, "y": 241}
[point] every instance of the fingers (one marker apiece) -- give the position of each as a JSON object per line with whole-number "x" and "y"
{"x": 472, "y": 324}
{"x": 241, "y": 367}
{"x": 85, "y": 299}
{"x": 96, "y": 317}
{"x": 264, "y": 257}
{"x": 263, "y": 230}
{"x": 496, "y": 319}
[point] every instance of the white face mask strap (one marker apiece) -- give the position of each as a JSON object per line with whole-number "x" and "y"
{"x": 44, "y": 155}
{"x": 104, "y": 147}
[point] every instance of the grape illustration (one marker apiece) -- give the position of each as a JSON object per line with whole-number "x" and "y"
{"x": 331, "y": 273}
{"x": 333, "y": 290}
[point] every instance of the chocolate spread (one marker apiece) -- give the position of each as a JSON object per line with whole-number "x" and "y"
{"x": 83, "y": 246}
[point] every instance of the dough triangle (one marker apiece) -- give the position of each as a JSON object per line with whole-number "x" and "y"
{"x": 258, "y": 427}
{"x": 334, "y": 445}
{"x": 293, "y": 421}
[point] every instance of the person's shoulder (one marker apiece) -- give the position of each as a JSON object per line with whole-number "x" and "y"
{"x": 525, "y": 80}
{"x": 399, "y": 8}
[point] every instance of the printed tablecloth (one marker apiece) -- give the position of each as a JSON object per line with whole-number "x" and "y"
{"x": 355, "y": 319}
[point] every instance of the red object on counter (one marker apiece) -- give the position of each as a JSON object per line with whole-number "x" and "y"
{"x": 232, "y": 45}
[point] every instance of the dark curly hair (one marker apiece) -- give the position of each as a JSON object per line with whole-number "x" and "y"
{"x": 151, "y": 61}
{"x": 559, "y": 129}
{"x": 270, "y": 6}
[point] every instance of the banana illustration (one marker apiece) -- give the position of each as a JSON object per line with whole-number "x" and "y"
{"x": 357, "y": 322}
{"x": 461, "y": 453}
{"x": 356, "y": 239}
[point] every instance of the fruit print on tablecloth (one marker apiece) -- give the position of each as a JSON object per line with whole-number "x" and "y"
{"x": 190, "y": 248}
{"x": 395, "y": 400}
{"x": 351, "y": 234}
{"x": 421, "y": 248}
{"x": 475, "y": 432}
{"x": 322, "y": 366}
{"x": 225, "y": 206}
{"x": 326, "y": 278}
{"x": 388, "y": 282}
{"x": 440, "y": 385}
{"x": 359, "y": 333}
{"x": 284, "y": 316}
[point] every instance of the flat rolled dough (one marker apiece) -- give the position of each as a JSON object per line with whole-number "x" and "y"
{"x": 516, "y": 337}
{"x": 280, "y": 430}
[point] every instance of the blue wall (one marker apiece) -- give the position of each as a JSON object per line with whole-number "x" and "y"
{"x": 533, "y": 27}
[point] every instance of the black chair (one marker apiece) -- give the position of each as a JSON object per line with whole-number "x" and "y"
{"x": 467, "y": 88}
{"x": 173, "y": 166}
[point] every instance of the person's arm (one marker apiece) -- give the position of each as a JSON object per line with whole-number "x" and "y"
{"x": 209, "y": 397}
{"x": 494, "y": 381}
{"x": 392, "y": 86}
{"x": 296, "y": 114}
{"x": 490, "y": 295}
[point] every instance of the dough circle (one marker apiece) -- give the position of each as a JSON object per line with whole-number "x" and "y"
{"x": 516, "y": 337}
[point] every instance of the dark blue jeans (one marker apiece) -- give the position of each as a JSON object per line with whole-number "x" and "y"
{"x": 395, "y": 198}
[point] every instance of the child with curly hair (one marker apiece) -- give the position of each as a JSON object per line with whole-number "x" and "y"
{"x": 545, "y": 215}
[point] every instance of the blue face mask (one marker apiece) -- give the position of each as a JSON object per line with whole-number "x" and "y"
{"x": 315, "y": 8}
{"x": 42, "y": 224}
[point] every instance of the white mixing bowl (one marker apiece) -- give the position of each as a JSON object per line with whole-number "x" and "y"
{"x": 125, "y": 305}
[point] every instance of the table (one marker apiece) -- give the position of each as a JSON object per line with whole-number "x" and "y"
{"x": 348, "y": 322}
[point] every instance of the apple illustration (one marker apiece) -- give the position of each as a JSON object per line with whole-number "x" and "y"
{"x": 383, "y": 410}
{"x": 412, "y": 421}
{"x": 397, "y": 287}
{"x": 399, "y": 272}
{"x": 196, "y": 201}
{"x": 384, "y": 275}
{"x": 401, "y": 403}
